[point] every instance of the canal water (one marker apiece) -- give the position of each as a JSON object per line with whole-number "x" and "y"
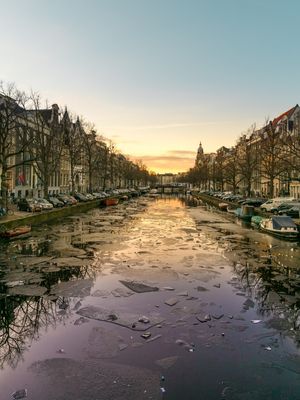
{"x": 152, "y": 299}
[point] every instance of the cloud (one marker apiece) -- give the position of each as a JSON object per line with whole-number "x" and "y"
{"x": 183, "y": 152}
{"x": 166, "y": 158}
{"x": 172, "y": 161}
{"x": 120, "y": 140}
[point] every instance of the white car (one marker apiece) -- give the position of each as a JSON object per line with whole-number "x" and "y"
{"x": 274, "y": 203}
{"x": 44, "y": 204}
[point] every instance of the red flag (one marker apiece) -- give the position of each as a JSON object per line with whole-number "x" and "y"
{"x": 21, "y": 179}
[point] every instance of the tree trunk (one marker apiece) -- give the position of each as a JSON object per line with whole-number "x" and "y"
{"x": 4, "y": 192}
{"x": 271, "y": 186}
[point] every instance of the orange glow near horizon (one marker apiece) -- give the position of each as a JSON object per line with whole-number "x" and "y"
{"x": 170, "y": 162}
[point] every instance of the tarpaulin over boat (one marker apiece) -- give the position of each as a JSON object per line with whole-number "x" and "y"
{"x": 283, "y": 222}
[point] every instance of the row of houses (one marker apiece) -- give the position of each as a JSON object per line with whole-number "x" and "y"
{"x": 264, "y": 162}
{"x": 45, "y": 151}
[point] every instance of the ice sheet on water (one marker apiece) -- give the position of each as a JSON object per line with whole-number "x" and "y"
{"x": 121, "y": 292}
{"x": 93, "y": 378}
{"x": 139, "y": 287}
{"x": 104, "y": 342}
{"x": 122, "y": 318}
{"x": 27, "y": 290}
{"x": 70, "y": 262}
{"x": 78, "y": 288}
{"x": 167, "y": 362}
{"x": 172, "y": 301}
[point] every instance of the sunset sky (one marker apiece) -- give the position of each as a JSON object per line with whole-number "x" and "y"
{"x": 157, "y": 76}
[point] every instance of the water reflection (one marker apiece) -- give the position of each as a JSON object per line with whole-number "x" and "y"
{"x": 22, "y": 314}
{"x": 33, "y": 247}
{"x": 21, "y": 319}
{"x": 266, "y": 271}
{"x": 271, "y": 276}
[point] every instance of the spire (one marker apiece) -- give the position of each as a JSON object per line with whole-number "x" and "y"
{"x": 200, "y": 149}
{"x": 200, "y": 154}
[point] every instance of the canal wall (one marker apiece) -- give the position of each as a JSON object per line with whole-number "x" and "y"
{"x": 47, "y": 216}
{"x": 213, "y": 201}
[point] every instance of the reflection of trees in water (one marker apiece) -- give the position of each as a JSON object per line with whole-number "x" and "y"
{"x": 275, "y": 288}
{"x": 66, "y": 274}
{"x": 23, "y": 317}
{"x": 20, "y": 321}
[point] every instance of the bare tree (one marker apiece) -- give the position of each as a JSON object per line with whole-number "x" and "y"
{"x": 231, "y": 170}
{"x": 220, "y": 161}
{"x": 270, "y": 155}
{"x": 142, "y": 173}
{"x": 73, "y": 145}
{"x": 247, "y": 160}
{"x": 14, "y": 134}
{"x": 47, "y": 141}
{"x": 103, "y": 162}
{"x": 89, "y": 142}
{"x": 95, "y": 157}
{"x": 112, "y": 163}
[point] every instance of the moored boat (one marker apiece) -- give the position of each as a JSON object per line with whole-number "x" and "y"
{"x": 12, "y": 233}
{"x": 111, "y": 201}
{"x": 280, "y": 226}
{"x": 153, "y": 193}
{"x": 223, "y": 206}
{"x": 231, "y": 208}
{"x": 256, "y": 220}
{"x": 245, "y": 212}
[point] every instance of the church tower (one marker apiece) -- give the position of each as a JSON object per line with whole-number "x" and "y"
{"x": 200, "y": 154}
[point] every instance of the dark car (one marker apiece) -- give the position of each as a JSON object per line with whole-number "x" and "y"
{"x": 65, "y": 199}
{"x": 56, "y": 203}
{"x": 28, "y": 205}
{"x": 292, "y": 212}
{"x": 255, "y": 202}
{"x": 283, "y": 207}
{"x": 80, "y": 197}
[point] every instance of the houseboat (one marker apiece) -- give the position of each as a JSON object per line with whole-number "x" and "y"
{"x": 280, "y": 226}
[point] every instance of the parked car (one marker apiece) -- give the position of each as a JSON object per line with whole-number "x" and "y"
{"x": 293, "y": 212}
{"x": 133, "y": 192}
{"x": 273, "y": 203}
{"x": 291, "y": 209}
{"x": 89, "y": 196}
{"x": 80, "y": 197}
{"x": 44, "y": 204}
{"x": 56, "y": 203}
{"x": 99, "y": 195}
{"x": 285, "y": 206}
{"x": 28, "y": 205}
{"x": 66, "y": 199}
{"x": 255, "y": 202}
{"x": 72, "y": 199}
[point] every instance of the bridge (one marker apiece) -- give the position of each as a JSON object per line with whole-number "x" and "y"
{"x": 171, "y": 188}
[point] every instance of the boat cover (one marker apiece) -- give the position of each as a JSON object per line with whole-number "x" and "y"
{"x": 283, "y": 222}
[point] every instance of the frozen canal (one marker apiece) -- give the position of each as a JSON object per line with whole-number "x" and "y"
{"x": 149, "y": 300}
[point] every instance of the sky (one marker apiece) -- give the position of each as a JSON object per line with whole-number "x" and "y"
{"x": 157, "y": 76}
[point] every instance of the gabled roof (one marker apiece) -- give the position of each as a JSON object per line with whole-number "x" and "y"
{"x": 286, "y": 114}
{"x": 6, "y": 101}
{"x": 45, "y": 114}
